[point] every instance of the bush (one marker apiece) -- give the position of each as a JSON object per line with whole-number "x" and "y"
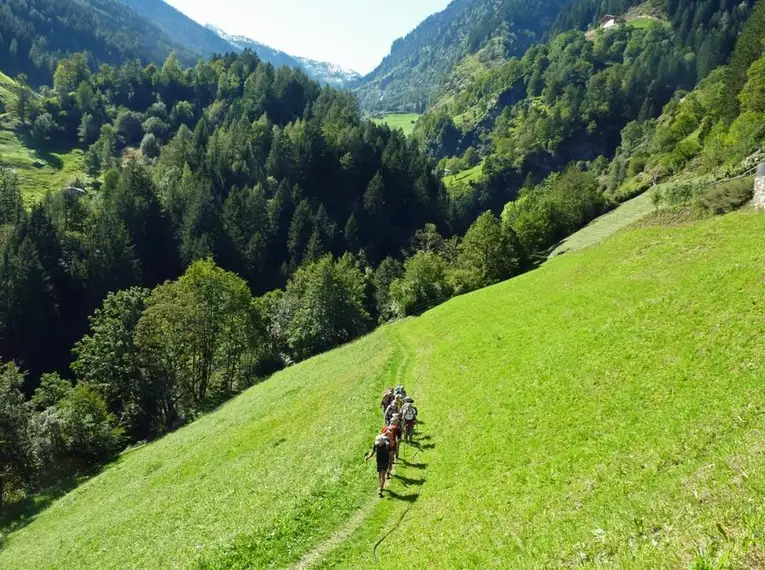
{"x": 322, "y": 307}
{"x": 423, "y": 285}
{"x": 150, "y": 146}
{"x": 156, "y": 127}
{"x": 128, "y": 126}
{"x": 88, "y": 431}
{"x": 728, "y": 196}
{"x": 43, "y": 128}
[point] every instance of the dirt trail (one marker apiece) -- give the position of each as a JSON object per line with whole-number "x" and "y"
{"x": 353, "y": 523}
{"x": 336, "y": 539}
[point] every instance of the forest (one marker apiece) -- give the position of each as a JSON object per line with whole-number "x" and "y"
{"x": 408, "y": 78}
{"x": 36, "y": 34}
{"x": 571, "y": 99}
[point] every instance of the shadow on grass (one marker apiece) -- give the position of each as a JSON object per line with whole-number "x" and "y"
{"x": 409, "y": 481}
{"x": 413, "y": 465}
{"x": 16, "y": 516}
{"x": 408, "y": 498}
{"x": 421, "y": 446}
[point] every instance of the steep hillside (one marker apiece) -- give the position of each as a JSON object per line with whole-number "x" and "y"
{"x": 180, "y": 27}
{"x": 35, "y": 34}
{"x": 38, "y": 171}
{"x": 407, "y": 79}
{"x": 581, "y": 95}
{"x": 326, "y": 73}
{"x": 604, "y": 410}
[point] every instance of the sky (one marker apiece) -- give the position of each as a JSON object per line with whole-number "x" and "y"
{"x": 355, "y": 34}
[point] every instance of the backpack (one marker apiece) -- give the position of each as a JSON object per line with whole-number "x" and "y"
{"x": 409, "y": 414}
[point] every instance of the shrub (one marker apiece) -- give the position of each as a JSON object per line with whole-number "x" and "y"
{"x": 322, "y": 307}
{"x": 423, "y": 285}
{"x": 89, "y": 432}
{"x": 728, "y": 196}
{"x": 128, "y": 125}
{"x": 150, "y": 146}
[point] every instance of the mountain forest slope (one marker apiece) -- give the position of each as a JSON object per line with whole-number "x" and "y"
{"x": 589, "y": 97}
{"x": 408, "y": 77}
{"x": 603, "y": 410}
{"x": 180, "y": 27}
{"x": 36, "y": 34}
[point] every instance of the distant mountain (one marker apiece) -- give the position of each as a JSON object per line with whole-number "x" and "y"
{"x": 327, "y": 73}
{"x": 409, "y": 77}
{"x": 36, "y": 34}
{"x": 180, "y": 27}
{"x": 208, "y": 40}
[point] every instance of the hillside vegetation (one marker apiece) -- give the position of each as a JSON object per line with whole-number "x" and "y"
{"x": 403, "y": 121}
{"x": 611, "y": 101}
{"x": 38, "y": 171}
{"x": 36, "y": 34}
{"x": 603, "y": 410}
{"x": 184, "y": 31}
{"x": 407, "y": 79}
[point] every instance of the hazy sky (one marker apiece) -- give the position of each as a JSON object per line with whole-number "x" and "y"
{"x": 356, "y": 34}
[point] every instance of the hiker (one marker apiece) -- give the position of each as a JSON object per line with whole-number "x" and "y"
{"x": 387, "y": 398}
{"x": 400, "y": 391}
{"x": 409, "y": 416}
{"x": 381, "y": 449}
{"x": 393, "y": 408}
{"x": 391, "y": 432}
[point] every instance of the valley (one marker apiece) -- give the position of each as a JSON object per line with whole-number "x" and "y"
{"x": 539, "y": 217}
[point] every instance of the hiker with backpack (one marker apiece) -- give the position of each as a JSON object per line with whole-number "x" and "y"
{"x": 391, "y": 431}
{"x": 409, "y": 416}
{"x": 393, "y": 408}
{"x": 381, "y": 449}
{"x": 387, "y": 399}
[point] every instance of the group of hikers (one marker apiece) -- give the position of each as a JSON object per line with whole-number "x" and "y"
{"x": 399, "y": 417}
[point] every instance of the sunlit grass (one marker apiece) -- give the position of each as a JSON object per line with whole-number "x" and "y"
{"x": 454, "y": 182}
{"x": 403, "y": 121}
{"x": 605, "y": 410}
{"x": 608, "y": 224}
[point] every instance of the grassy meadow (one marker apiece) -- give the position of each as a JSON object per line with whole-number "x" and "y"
{"x": 605, "y": 410}
{"x": 455, "y": 182}
{"x": 403, "y": 121}
{"x": 607, "y": 225}
{"x": 38, "y": 170}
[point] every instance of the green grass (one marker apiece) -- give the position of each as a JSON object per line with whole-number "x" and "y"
{"x": 403, "y": 121}
{"x": 38, "y": 170}
{"x": 454, "y": 182}
{"x": 606, "y": 225}
{"x": 643, "y": 23}
{"x": 606, "y": 410}
{"x": 8, "y": 87}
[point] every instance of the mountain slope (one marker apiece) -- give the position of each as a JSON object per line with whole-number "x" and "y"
{"x": 326, "y": 73}
{"x": 602, "y": 410}
{"x": 35, "y": 34}
{"x": 180, "y": 27}
{"x": 408, "y": 77}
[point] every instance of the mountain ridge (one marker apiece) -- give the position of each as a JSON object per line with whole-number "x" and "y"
{"x": 322, "y": 71}
{"x": 408, "y": 78}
